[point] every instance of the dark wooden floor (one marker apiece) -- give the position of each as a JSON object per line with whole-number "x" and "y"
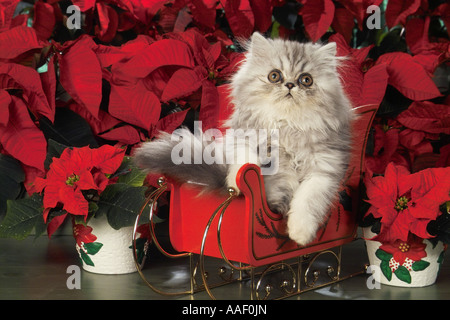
{"x": 37, "y": 269}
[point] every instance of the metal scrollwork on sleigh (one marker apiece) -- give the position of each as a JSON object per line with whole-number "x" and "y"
{"x": 250, "y": 239}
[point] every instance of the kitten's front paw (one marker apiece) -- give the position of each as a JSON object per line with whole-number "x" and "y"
{"x": 299, "y": 230}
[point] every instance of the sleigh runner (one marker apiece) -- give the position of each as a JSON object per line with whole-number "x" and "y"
{"x": 250, "y": 238}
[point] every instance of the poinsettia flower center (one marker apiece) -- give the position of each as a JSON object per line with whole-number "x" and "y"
{"x": 401, "y": 204}
{"x": 403, "y": 247}
{"x": 72, "y": 179}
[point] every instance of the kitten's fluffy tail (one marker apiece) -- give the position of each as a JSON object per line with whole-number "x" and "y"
{"x": 177, "y": 157}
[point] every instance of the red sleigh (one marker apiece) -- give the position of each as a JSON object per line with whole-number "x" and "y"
{"x": 249, "y": 238}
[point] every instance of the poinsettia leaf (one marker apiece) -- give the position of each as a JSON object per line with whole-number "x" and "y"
{"x": 183, "y": 83}
{"x": 7, "y": 9}
{"x": 107, "y": 158}
{"x": 121, "y": 203}
{"x": 409, "y": 77}
{"x": 203, "y": 13}
{"x": 69, "y": 129}
{"x": 135, "y": 105}
{"x": 420, "y": 265}
{"x": 374, "y": 86}
{"x": 48, "y": 80}
{"x": 54, "y": 150}
{"x": 343, "y": 23}
{"x": 130, "y": 174}
{"x": 125, "y": 134}
{"x": 172, "y": 121}
{"x": 84, "y": 4}
{"x": 93, "y": 247}
{"x": 426, "y": 116}
{"x": 166, "y": 52}
{"x": 44, "y": 19}
{"x": 81, "y": 74}
{"x": 209, "y": 109}
{"x": 5, "y": 100}
{"x": 403, "y": 274}
{"x": 55, "y": 222}
{"x": 398, "y": 10}
{"x": 262, "y": 11}
{"x": 21, "y": 138}
{"x": 11, "y": 177}
{"x": 28, "y": 80}
{"x": 240, "y": 18}
{"x": 16, "y": 41}
{"x": 317, "y": 16}
{"x": 22, "y": 217}
{"x": 108, "y": 22}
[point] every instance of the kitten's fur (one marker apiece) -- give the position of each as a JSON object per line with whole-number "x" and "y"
{"x": 314, "y": 131}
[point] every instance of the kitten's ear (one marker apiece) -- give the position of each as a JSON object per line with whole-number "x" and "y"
{"x": 258, "y": 44}
{"x": 329, "y": 48}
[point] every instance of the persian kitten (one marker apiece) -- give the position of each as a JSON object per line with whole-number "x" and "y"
{"x": 293, "y": 88}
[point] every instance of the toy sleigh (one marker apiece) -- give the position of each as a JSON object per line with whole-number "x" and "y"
{"x": 249, "y": 240}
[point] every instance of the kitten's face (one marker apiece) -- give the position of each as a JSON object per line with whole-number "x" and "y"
{"x": 286, "y": 74}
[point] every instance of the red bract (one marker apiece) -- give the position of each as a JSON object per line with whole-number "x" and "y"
{"x": 427, "y": 117}
{"x": 77, "y": 170}
{"x": 398, "y": 10}
{"x": 317, "y": 17}
{"x": 405, "y": 202}
{"x": 81, "y": 74}
{"x": 211, "y": 67}
{"x": 386, "y": 145}
{"x": 408, "y": 77}
{"x": 246, "y": 16}
{"x": 17, "y": 41}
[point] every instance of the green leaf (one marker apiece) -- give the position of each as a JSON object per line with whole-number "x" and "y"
{"x": 121, "y": 203}
{"x": 11, "y": 177}
{"x": 68, "y": 128}
{"x": 86, "y": 258}
{"x": 403, "y": 274}
{"x": 384, "y": 266}
{"x": 22, "y": 216}
{"x": 420, "y": 265}
{"x": 93, "y": 247}
{"x": 383, "y": 255}
{"x": 129, "y": 174}
{"x": 54, "y": 150}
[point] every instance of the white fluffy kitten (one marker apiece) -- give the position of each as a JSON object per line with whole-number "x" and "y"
{"x": 295, "y": 88}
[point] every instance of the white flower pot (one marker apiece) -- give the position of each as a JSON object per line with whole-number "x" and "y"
{"x": 410, "y": 273}
{"x": 111, "y": 252}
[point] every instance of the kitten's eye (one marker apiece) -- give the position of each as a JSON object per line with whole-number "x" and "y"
{"x": 275, "y": 76}
{"x": 305, "y": 79}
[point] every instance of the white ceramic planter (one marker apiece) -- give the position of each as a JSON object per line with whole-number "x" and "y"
{"x": 110, "y": 252}
{"x": 411, "y": 273}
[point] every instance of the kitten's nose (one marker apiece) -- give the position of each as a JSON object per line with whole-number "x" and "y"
{"x": 290, "y": 85}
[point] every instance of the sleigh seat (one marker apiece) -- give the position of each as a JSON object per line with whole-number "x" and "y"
{"x": 247, "y": 236}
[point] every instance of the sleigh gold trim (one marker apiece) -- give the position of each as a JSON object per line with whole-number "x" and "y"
{"x": 249, "y": 238}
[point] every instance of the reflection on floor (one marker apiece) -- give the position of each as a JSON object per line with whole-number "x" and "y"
{"x": 37, "y": 269}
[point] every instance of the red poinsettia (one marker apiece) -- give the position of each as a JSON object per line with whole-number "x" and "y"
{"x": 413, "y": 248}
{"x": 406, "y": 202}
{"x": 76, "y": 170}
